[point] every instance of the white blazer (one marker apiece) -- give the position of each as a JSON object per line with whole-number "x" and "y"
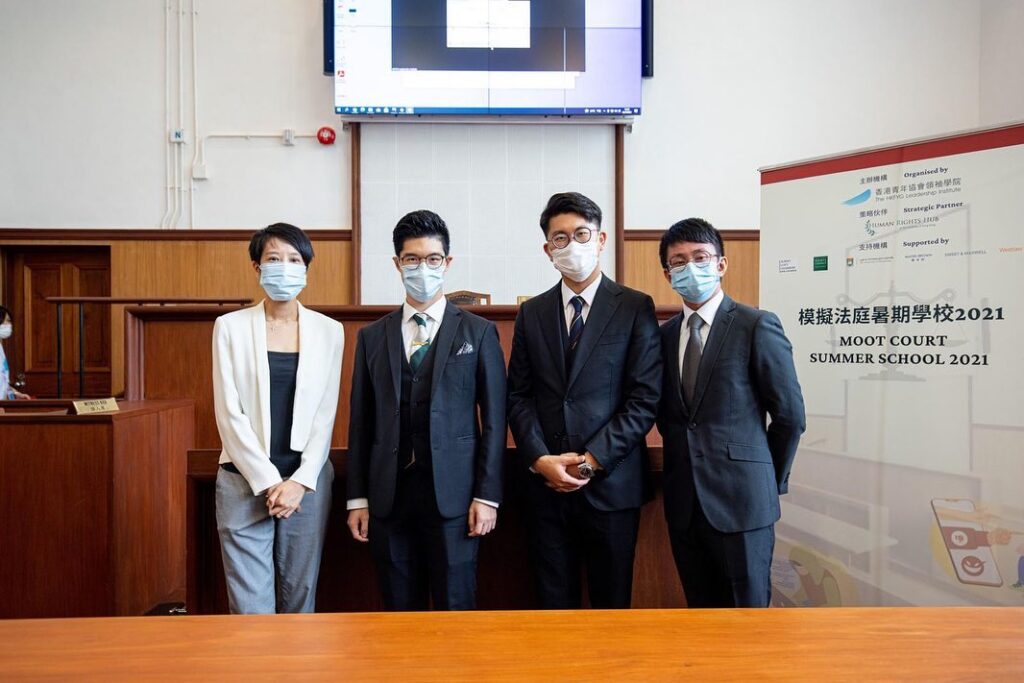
{"x": 241, "y": 393}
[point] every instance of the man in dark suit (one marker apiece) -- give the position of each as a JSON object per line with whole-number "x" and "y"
{"x": 424, "y": 471}
{"x": 728, "y": 367}
{"x": 584, "y": 382}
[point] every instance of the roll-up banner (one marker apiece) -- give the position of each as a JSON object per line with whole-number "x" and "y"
{"x": 898, "y": 274}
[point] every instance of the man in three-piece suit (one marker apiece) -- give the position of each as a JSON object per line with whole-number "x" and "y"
{"x": 584, "y": 382}
{"x": 424, "y": 471}
{"x": 728, "y": 367}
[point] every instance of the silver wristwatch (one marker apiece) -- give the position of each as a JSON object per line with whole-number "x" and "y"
{"x": 586, "y": 470}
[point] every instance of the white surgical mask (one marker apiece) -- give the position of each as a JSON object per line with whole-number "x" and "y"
{"x": 422, "y": 282}
{"x": 696, "y": 283}
{"x": 6, "y": 330}
{"x": 282, "y": 281}
{"x": 576, "y": 261}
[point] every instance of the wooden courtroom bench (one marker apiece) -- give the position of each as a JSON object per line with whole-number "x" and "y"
{"x": 168, "y": 353}
{"x": 94, "y": 519}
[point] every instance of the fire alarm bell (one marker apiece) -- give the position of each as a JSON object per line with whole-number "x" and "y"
{"x": 326, "y": 135}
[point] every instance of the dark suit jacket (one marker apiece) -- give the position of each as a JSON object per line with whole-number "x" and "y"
{"x": 467, "y": 453}
{"x": 605, "y": 405}
{"x": 721, "y": 450}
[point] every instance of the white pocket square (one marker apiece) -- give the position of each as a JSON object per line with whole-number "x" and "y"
{"x": 464, "y": 349}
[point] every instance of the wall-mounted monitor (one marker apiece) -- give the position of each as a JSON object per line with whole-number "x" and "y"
{"x": 487, "y": 57}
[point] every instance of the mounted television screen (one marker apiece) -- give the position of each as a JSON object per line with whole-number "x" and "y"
{"x": 490, "y": 57}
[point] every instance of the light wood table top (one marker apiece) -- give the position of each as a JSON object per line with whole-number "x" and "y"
{"x": 864, "y": 644}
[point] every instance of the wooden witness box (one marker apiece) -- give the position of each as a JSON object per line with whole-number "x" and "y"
{"x": 93, "y": 508}
{"x": 168, "y": 354}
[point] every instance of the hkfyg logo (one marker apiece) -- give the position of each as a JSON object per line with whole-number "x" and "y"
{"x": 859, "y": 199}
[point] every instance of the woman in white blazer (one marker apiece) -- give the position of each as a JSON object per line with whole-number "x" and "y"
{"x": 276, "y": 377}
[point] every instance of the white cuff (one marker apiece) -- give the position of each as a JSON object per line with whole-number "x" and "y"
{"x": 357, "y": 504}
{"x": 486, "y": 502}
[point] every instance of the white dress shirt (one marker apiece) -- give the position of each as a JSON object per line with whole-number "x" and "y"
{"x": 588, "y": 300}
{"x": 434, "y": 314}
{"x": 707, "y": 313}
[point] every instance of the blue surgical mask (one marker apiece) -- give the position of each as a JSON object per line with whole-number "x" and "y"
{"x": 696, "y": 283}
{"x": 282, "y": 281}
{"x": 422, "y": 282}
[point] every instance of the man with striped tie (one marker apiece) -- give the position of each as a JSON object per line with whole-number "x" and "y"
{"x": 584, "y": 383}
{"x": 426, "y": 432}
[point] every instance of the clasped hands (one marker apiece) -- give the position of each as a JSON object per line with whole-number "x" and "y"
{"x": 561, "y": 472}
{"x": 284, "y": 498}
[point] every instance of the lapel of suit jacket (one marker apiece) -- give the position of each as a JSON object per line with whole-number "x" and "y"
{"x": 444, "y": 338}
{"x": 310, "y": 352}
{"x": 606, "y": 302}
{"x": 675, "y": 326}
{"x": 396, "y": 349}
{"x": 553, "y": 326}
{"x": 259, "y": 338}
{"x": 716, "y": 338}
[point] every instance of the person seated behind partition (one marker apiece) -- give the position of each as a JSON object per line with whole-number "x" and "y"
{"x": 276, "y": 378}
{"x": 7, "y": 392}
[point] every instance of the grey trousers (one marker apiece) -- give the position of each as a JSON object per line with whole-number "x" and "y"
{"x": 271, "y": 564}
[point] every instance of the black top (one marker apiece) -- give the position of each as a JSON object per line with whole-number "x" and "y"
{"x": 283, "y": 369}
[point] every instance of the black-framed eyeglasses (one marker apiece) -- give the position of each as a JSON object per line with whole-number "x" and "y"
{"x": 433, "y": 261}
{"x": 701, "y": 259}
{"x": 560, "y": 240}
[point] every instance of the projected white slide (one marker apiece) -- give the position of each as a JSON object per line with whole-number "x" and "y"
{"x": 489, "y": 57}
{"x": 489, "y": 24}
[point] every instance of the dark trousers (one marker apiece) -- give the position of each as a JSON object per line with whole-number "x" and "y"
{"x": 420, "y": 555}
{"x": 723, "y": 570}
{"x": 567, "y": 533}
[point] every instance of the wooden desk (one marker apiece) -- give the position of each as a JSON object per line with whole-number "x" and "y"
{"x": 93, "y": 510}
{"x": 854, "y": 644}
{"x": 169, "y": 354}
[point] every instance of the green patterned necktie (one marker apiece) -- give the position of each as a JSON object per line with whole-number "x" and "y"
{"x": 421, "y": 344}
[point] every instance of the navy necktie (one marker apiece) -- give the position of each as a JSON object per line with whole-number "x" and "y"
{"x": 576, "y": 326}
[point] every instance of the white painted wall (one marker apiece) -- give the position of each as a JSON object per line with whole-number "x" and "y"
{"x": 261, "y": 64}
{"x": 739, "y": 84}
{"x": 1002, "y": 61}
{"x": 747, "y": 83}
{"x": 490, "y": 184}
{"x": 81, "y": 113}
{"x": 82, "y": 124}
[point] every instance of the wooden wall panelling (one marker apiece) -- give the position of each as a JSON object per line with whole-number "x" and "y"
{"x": 642, "y": 267}
{"x": 213, "y": 268}
{"x": 184, "y": 263}
{"x": 32, "y": 274}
